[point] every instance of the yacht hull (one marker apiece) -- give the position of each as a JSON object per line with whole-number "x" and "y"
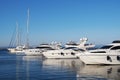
{"x": 100, "y": 58}
{"x": 14, "y": 50}
{"x": 32, "y": 52}
{"x": 60, "y": 54}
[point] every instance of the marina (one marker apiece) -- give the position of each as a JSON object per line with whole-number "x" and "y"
{"x": 59, "y": 39}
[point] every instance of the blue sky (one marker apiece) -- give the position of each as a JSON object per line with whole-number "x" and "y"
{"x": 61, "y": 20}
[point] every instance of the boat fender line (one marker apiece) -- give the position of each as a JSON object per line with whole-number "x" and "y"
{"x": 109, "y": 58}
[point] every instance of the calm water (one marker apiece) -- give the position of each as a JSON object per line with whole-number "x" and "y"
{"x": 14, "y": 67}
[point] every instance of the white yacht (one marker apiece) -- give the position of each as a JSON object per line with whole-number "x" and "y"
{"x": 17, "y": 42}
{"x": 20, "y": 48}
{"x": 42, "y": 48}
{"x": 65, "y": 53}
{"x": 108, "y": 54}
{"x": 32, "y": 52}
{"x": 38, "y": 50}
{"x": 70, "y": 51}
{"x": 82, "y": 44}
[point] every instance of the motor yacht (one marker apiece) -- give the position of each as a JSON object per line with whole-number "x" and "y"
{"x": 65, "y": 53}
{"x": 42, "y": 48}
{"x": 108, "y": 54}
{"x": 70, "y": 51}
{"x": 18, "y": 49}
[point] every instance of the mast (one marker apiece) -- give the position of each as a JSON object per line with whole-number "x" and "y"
{"x": 27, "y": 41}
{"x": 17, "y": 35}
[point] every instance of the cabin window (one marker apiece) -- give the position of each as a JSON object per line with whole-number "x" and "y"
{"x": 115, "y": 48}
{"x": 62, "y": 53}
{"x": 72, "y": 53}
{"x": 118, "y": 58}
{"x": 52, "y": 53}
{"x": 76, "y": 49}
{"x": 70, "y": 48}
{"x": 109, "y": 58}
{"x": 66, "y": 53}
{"x": 99, "y": 52}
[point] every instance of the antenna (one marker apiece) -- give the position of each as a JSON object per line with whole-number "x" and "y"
{"x": 28, "y": 30}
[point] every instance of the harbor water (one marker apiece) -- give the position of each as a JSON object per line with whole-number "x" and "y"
{"x": 13, "y": 67}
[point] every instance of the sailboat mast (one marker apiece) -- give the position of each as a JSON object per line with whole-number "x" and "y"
{"x": 28, "y": 30}
{"x": 17, "y": 35}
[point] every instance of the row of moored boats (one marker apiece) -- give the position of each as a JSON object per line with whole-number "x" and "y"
{"x": 108, "y": 54}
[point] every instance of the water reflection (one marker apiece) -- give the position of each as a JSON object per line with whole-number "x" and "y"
{"x": 61, "y": 69}
{"x": 32, "y": 58}
{"x": 73, "y": 64}
{"x": 94, "y": 72}
{"x": 26, "y": 66}
{"x": 35, "y": 67}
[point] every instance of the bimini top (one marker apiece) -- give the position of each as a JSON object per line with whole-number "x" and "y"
{"x": 116, "y": 41}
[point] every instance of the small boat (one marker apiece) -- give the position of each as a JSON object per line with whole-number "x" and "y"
{"x": 108, "y": 54}
{"x": 18, "y": 49}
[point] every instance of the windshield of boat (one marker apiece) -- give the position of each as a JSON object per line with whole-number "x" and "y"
{"x": 106, "y": 47}
{"x": 70, "y": 48}
{"x": 44, "y": 47}
{"x": 77, "y": 49}
{"x": 72, "y": 44}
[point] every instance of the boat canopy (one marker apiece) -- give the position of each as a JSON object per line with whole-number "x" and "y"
{"x": 116, "y": 41}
